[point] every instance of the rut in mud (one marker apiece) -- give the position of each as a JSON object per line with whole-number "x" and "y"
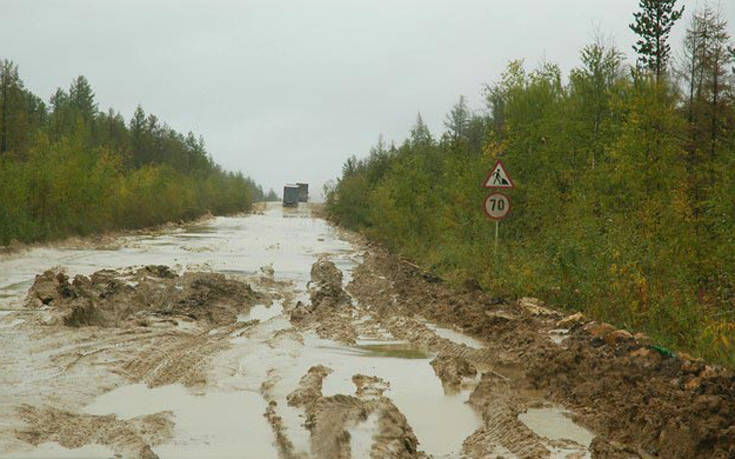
{"x": 335, "y": 353}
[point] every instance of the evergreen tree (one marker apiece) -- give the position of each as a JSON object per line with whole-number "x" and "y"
{"x": 420, "y": 134}
{"x": 81, "y": 98}
{"x": 11, "y": 102}
{"x": 458, "y": 120}
{"x": 653, "y": 25}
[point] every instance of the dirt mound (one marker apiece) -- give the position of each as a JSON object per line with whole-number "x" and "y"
{"x": 668, "y": 406}
{"x": 132, "y": 437}
{"x": 310, "y": 386}
{"x": 329, "y": 419}
{"x": 495, "y": 400}
{"x": 451, "y": 370}
{"x": 330, "y": 309}
{"x": 109, "y": 298}
{"x": 369, "y": 386}
{"x": 325, "y": 288}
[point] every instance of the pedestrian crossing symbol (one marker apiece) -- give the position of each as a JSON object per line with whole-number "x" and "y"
{"x": 498, "y": 177}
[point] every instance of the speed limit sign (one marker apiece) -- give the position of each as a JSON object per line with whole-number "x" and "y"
{"x": 497, "y": 206}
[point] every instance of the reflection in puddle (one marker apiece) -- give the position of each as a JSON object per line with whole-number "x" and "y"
{"x": 401, "y": 351}
{"x": 455, "y": 336}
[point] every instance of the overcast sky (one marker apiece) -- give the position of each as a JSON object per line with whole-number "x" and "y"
{"x": 285, "y": 91}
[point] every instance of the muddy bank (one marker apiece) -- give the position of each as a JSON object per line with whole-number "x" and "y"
{"x": 132, "y": 438}
{"x": 111, "y": 298}
{"x": 636, "y": 398}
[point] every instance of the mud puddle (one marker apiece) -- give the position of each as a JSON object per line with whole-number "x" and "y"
{"x": 296, "y": 368}
{"x": 262, "y": 312}
{"x": 238, "y": 245}
{"x": 221, "y": 424}
{"x": 554, "y": 424}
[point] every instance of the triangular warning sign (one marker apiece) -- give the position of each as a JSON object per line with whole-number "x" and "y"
{"x": 498, "y": 177}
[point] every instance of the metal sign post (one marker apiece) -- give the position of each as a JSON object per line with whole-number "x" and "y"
{"x": 497, "y": 204}
{"x": 497, "y": 224}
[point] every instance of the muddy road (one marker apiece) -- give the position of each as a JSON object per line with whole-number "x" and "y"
{"x": 277, "y": 335}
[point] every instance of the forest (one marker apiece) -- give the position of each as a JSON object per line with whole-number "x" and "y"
{"x": 67, "y": 168}
{"x": 624, "y": 173}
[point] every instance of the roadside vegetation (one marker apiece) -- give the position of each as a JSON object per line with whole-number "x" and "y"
{"x": 624, "y": 206}
{"x": 68, "y": 168}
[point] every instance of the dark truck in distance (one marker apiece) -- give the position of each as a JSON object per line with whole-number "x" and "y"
{"x": 290, "y": 196}
{"x": 303, "y": 192}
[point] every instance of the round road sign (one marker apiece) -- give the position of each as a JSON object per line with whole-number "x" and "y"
{"x": 497, "y": 206}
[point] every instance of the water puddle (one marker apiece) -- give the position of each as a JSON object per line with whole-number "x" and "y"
{"x": 262, "y": 312}
{"x": 555, "y": 424}
{"x": 455, "y": 336}
{"x": 216, "y": 424}
{"x": 414, "y": 389}
{"x": 361, "y": 436}
{"x": 236, "y": 245}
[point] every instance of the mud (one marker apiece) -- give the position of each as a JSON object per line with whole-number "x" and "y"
{"x": 329, "y": 419}
{"x": 133, "y": 437}
{"x": 638, "y": 401}
{"x": 110, "y": 298}
{"x": 271, "y": 336}
{"x": 452, "y": 370}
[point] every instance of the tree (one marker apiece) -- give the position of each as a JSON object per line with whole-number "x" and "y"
{"x": 420, "y": 134}
{"x": 592, "y": 87}
{"x": 708, "y": 54}
{"x": 81, "y": 98}
{"x": 653, "y": 25}
{"x": 458, "y": 120}
{"x": 11, "y": 98}
{"x": 137, "y": 133}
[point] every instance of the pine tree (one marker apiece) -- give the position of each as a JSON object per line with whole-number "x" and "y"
{"x": 653, "y": 25}
{"x": 458, "y": 119}
{"x": 81, "y": 98}
{"x": 10, "y": 96}
{"x": 420, "y": 134}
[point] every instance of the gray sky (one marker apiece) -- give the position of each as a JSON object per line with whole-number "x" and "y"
{"x": 284, "y": 90}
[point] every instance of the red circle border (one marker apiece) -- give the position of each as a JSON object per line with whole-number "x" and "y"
{"x": 484, "y": 207}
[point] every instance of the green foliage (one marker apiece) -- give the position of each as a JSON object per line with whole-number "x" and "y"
{"x": 610, "y": 215}
{"x": 74, "y": 170}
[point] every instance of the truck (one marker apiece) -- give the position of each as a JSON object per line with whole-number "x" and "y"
{"x": 290, "y": 196}
{"x": 303, "y": 192}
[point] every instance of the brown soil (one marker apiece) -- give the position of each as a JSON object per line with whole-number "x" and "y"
{"x": 639, "y": 401}
{"x": 109, "y": 298}
{"x": 133, "y": 437}
{"x": 329, "y": 310}
{"x": 452, "y": 370}
{"x": 329, "y": 418}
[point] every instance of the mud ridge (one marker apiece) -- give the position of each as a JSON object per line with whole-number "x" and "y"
{"x": 133, "y": 437}
{"x": 329, "y": 419}
{"x": 111, "y": 298}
